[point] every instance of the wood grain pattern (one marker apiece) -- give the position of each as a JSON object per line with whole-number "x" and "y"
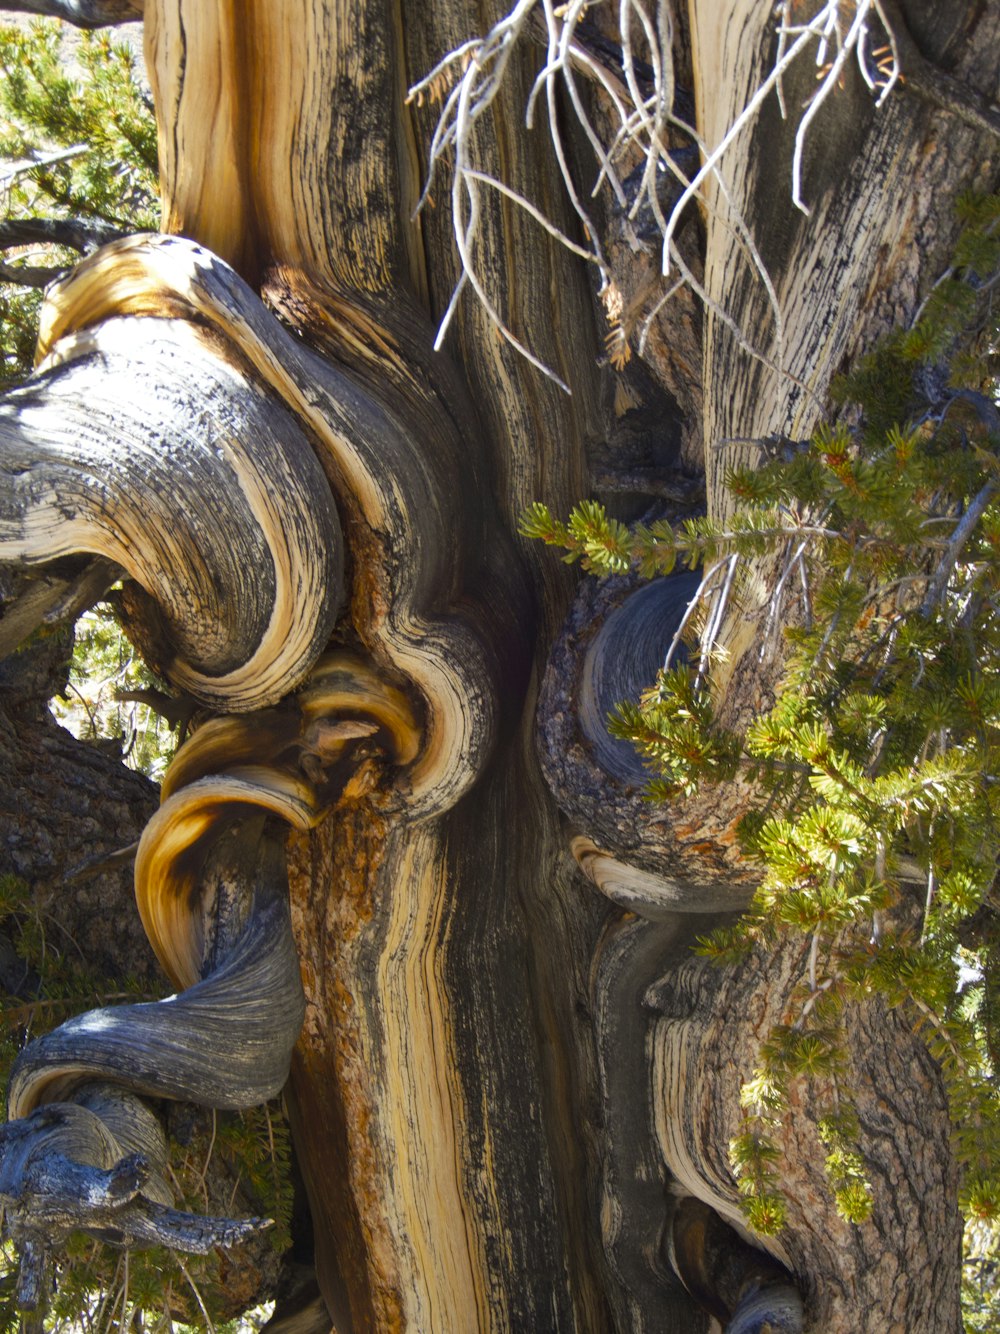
{"x": 246, "y": 586}
{"x": 506, "y": 1078}
{"x": 875, "y": 182}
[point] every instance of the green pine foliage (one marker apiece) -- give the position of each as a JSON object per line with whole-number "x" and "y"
{"x": 877, "y": 771}
{"x": 981, "y": 1278}
{"x": 98, "y": 1288}
{"x": 103, "y": 666}
{"x": 84, "y": 116}
{"x": 672, "y": 729}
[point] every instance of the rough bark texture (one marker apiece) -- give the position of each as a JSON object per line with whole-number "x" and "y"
{"x": 65, "y": 803}
{"x": 505, "y": 1079}
{"x": 705, "y": 1040}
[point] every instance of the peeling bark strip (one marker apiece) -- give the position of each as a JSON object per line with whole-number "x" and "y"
{"x": 509, "y": 1096}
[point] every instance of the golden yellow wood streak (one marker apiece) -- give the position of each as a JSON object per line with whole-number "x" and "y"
{"x": 222, "y": 514}
{"x": 382, "y": 472}
{"x": 167, "y": 866}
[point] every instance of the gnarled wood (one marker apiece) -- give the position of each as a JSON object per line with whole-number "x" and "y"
{"x": 706, "y": 1039}
{"x": 245, "y": 590}
{"x": 504, "y": 1083}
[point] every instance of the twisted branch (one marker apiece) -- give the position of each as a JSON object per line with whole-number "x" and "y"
{"x": 81, "y": 13}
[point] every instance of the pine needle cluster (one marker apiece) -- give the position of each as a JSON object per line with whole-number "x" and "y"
{"x": 877, "y": 771}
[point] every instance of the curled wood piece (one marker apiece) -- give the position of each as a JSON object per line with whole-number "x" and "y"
{"x": 621, "y": 663}
{"x": 63, "y": 1168}
{"x": 229, "y": 742}
{"x": 675, "y": 1044}
{"x": 392, "y": 455}
{"x": 224, "y": 1042}
{"x": 705, "y": 1043}
{"x": 656, "y": 897}
{"x": 290, "y": 762}
{"x": 344, "y": 701}
{"x": 169, "y": 876}
{"x": 342, "y": 685}
{"x": 81, "y": 1151}
{"x": 139, "y": 444}
{"x": 212, "y": 894}
{"x": 404, "y": 468}
{"x": 668, "y": 1228}
{"x": 134, "y": 1128}
{"x": 651, "y": 857}
{"x": 634, "y": 1185}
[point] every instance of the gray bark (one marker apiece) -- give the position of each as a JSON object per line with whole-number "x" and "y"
{"x": 81, "y": 13}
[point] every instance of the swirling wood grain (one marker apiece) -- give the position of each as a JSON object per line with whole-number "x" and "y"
{"x": 212, "y": 501}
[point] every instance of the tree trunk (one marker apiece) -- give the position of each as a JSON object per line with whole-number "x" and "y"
{"x": 507, "y": 1080}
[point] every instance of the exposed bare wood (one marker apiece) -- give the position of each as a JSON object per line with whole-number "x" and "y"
{"x": 510, "y": 1075}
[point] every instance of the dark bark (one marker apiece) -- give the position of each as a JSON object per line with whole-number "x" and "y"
{"x": 76, "y": 233}
{"x": 84, "y": 237}
{"x": 941, "y": 88}
{"x": 61, "y": 803}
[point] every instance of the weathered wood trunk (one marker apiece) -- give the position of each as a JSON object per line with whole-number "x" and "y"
{"x": 506, "y": 1078}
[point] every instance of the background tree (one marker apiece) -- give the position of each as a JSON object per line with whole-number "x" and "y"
{"x": 512, "y": 1099}
{"x": 79, "y": 143}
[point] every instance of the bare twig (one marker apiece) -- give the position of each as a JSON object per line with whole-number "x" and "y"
{"x": 963, "y": 531}
{"x": 208, "y": 1159}
{"x": 10, "y": 171}
{"x": 102, "y": 861}
{"x": 712, "y": 628}
{"x": 28, "y": 275}
{"x": 696, "y": 601}
{"x": 194, "y": 1288}
{"x": 638, "y": 82}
